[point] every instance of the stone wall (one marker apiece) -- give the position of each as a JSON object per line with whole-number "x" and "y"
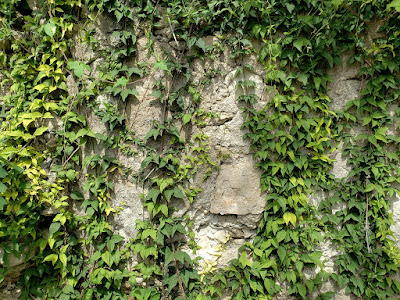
{"x": 227, "y": 210}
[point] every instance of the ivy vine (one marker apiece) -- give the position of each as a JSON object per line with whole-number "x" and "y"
{"x": 74, "y": 254}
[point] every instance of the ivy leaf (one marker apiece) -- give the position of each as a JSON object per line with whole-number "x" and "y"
{"x": 3, "y": 173}
{"x": 289, "y": 217}
{"x": 317, "y": 82}
{"x": 63, "y": 259}
{"x": 281, "y": 236}
{"x": 94, "y": 257}
{"x": 169, "y": 256}
{"x": 178, "y": 193}
{"x": 78, "y": 68}
{"x": 164, "y": 209}
{"x": 40, "y": 131}
{"x": 168, "y": 194}
{"x": 127, "y": 92}
{"x": 290, "y": 7}
{"x": 149, "y": 232}
{"x": 394, "y": 4}
{"x": 3, "y": 187}
{"x": 337, "y": 3}
{"x": 182, "y": 256}
{"x": 118, "y": 14}
{"x": 303, "y": 78}
{"x": 153, "y": 194}
{"x": 201, "y": 44}
{"x": 281, "y": 253}
{"x": 54, "y": 228}
{"x": 88, "y": 294}
{"x": 52, "y": 257}
{"x": 186, "y": 118}
{"x": 300, "y": 43}
{"x": 302, "y": 290}
{"x": 70, "y": 174}
{"x": 171, "y": 281}
{"x": 106, "y": 257}
{"x": 121, "y": 82}
{"x": 161, "y": 65}
{"x": 3, "y": 202}
{"x": 50, "y": 28}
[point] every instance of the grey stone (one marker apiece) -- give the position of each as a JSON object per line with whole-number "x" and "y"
{"x": 343, "y": 91}
{"x": 10, "y": 292}
{"x": 126, "y": 200}
{"x": 238, "y": 190}
{"x": 340, "y": 168}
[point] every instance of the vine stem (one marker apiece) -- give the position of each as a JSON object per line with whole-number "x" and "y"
{"x": 367, "y": 226}
{"x": 70, "y": 156}
{"x": 177, "y": 270}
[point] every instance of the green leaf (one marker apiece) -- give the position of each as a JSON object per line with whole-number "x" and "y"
{"x": 149, "y": 232}
{"x": 161, "y": 65}
{"x": 300, "y": 43}
{"x": 50, "y": 106}
{"x": 153, "y": 194}
{"x": 70, "y": 174}
{"x": 3, "y": 202}
{"x": 178, "y": 193}
{"x": 164, "y": 209}
{"x": 171, "y": 281}
{"x": 3, "y": 187}
{"x": 290, "y": 7}
{"x": 63, "y": 259}
{"x": 281, "y": 236}
{"x": 95, "y": 257}
{"x": 126, "y": 93}
{"x": 123, "y": 81}
{"x": 40, "y": 131}
{"x": 289, "y": 217}
{"x": 181, "y": 256}
{"x": 186, "y": 118}
{"x": 78, "y": 68}
{"x": 301, "y": 289}
{"x": 337, "y": 3}
{"x": 168, "y": 194}
{"x": 107, "y": 258}
{"x": 317, "y": 82}
{"x": 54, "y": 227}
{"x": 394, "y": 4}
{"x": 163, "y": 185}
{"x": 50, "y": 28}
{"x": 88, "y": 294}
{"x": 201, "y": 44}
{"x": 3, "y": 173}
{"x": 281, "y": 253}
{"x": 303, "y": 78}
{"x": 169, "y": 256}
{"x": 52, "y": 257}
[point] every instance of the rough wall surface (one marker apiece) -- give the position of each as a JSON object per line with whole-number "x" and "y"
{"x": 228, "y": 209}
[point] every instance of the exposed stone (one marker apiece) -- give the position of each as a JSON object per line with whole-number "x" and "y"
{"x": 238, "y": 190}
{"x": 126, "y": 199}
{"x": 101, "y": 34}
{"x": 343, "y": 91}
{"x": 72, "y": 85}
{"x": 33, "y": 4}
{"x": 17, "y": 265}
{"x": 395, "y": 210}
{"x": 10, "y": 292}
{"x": 340, "y": 168}
{"x": 142, "y": 113}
